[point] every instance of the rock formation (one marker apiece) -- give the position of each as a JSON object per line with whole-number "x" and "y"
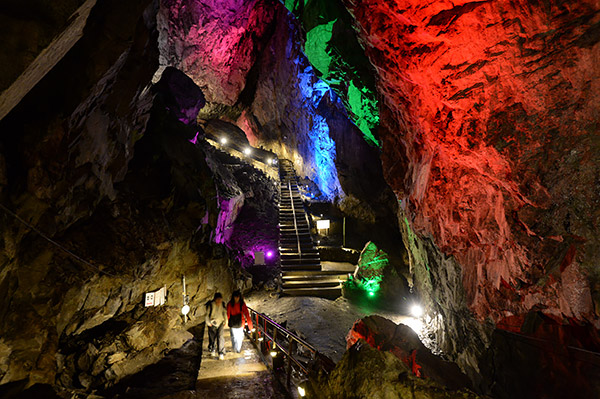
{"x": 463, "y": 136}
{"x": 115, "y": 202}
{"x": 489, "y": 126}
{"x": 354, "y": 377}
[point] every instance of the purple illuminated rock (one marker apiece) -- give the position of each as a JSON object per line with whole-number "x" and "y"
{"x": 181, "y": 95}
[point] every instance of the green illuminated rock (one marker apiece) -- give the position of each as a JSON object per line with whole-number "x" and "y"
{"x": 333, "y": 50}
{"x": 372, "y": 263}
{"x": 376, "y": 277}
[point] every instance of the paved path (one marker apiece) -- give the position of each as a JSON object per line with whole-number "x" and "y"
{"x": 240, "y": 375}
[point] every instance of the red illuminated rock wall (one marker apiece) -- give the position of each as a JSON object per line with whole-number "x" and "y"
{"x": 490, "y": 137}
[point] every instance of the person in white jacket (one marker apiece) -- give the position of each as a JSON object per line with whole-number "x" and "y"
{"x": 216, "y": 316}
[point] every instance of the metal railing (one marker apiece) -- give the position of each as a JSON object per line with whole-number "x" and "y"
{"x": 294, "y": 216}
{"x": 274, "y": 340}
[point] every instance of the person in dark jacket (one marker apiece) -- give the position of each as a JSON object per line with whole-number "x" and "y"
{"x": 216, "y": 315}
{"x": 237, "y": 316}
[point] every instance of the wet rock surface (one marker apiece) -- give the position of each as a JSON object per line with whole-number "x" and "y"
{"x": 175, "y": 372}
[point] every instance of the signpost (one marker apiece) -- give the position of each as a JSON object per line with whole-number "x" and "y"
{"x": 156, "y": 298}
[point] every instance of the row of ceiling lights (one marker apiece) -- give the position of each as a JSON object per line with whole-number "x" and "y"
{"x": 247, "y": 151}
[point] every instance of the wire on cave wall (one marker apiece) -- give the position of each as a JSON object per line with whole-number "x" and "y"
{"x": 50, "y": 240}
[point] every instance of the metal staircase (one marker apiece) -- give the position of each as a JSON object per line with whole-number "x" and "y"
{"x": 301, "y": 270}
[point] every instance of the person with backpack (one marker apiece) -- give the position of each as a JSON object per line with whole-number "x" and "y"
{"x": 216, "y": 315}
{"x": 237, "y": 316}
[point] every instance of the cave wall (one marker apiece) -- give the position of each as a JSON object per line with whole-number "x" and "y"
{"x": 100, "y": 162}
{"x": 486, "y": 114}
{"x": 489, "y": 127}
{"x": 255, "y": 74}
{"x": 42, "y": 25}
{"x": 334, "y": 50}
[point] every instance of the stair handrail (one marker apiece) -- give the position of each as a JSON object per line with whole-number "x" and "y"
{"x": 295, "y": 222}
{"x": 261, "y": 332}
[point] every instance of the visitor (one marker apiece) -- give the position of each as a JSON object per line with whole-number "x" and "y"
{"x": 216, "y": 315}
{"x": 238, "y": 316}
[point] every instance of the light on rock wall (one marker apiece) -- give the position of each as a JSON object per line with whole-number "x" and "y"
{"x": 185, "y": 310}
{"x": 416, "y": 310}
{"x": 301, "y": 392}
{"x": 223, "y": 140}
{"x": 247, "y": 151}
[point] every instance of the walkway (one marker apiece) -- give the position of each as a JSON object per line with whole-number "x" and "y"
{"x": 301, "y": 269}
{"x": 240, "y": 375}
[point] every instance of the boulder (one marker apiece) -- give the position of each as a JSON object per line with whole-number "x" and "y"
{"x": 372, "y": 263}
{"x": 181, "y": 96}
{"x": 404, "y": 343}
{"x": 365, "y": 372}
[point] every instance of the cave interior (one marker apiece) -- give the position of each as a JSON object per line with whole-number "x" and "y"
{"x": 411, "y": 188}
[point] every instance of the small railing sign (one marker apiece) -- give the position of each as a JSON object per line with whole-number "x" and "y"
{"x": 156, "y": 298}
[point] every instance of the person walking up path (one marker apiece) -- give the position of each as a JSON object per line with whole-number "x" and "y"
{"x": 237, "y": 316}
{"x": 216, "y": 315}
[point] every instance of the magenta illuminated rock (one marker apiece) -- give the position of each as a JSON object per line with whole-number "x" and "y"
{"x": 215, "y": 42}
{"x": 181, "y": 95}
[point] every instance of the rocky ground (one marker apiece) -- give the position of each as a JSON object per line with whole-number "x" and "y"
{"x": 322, "y": 322}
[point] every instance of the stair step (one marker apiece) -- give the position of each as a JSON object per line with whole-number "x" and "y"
{"x": 311, "y": 283}
{"x": 288, "y": 258}
{"x": 294, "y": 259}
{"x": 295, "y": 274}
{"x": 295, "y": 268}
{"x": 291, "y": 252}
{"x": 312, "y": 265}
{"x": 293, "y": 249}
{"x": 324, "y": 292}
{"x": 293, "y": 234}
{"x": 293, "y": 241}
{"x": 309, "y": 262}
